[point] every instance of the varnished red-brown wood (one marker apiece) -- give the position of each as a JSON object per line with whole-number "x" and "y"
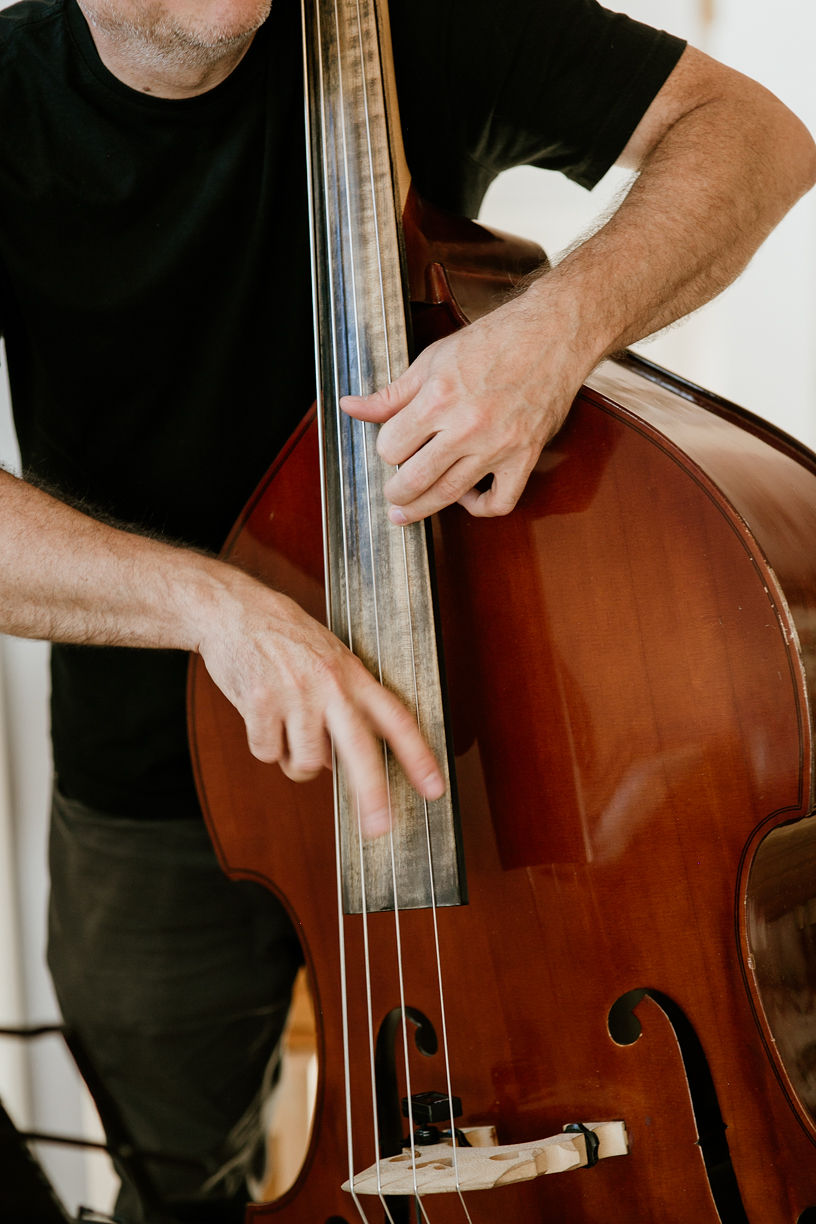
{"x": 628, "y": 677}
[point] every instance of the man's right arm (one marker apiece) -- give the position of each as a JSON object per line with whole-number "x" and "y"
{"x": 67, "y": 577}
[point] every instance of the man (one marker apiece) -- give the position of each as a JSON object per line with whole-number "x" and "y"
{"x": 154, "y": 297}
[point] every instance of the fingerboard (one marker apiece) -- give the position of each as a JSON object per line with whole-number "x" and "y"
{"x": 379, "y": 595}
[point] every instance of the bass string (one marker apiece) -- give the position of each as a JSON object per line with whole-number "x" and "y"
{"x": 360, "y": 428}
{"x": 341, "y": 429}
{"x": 317, "y": 37}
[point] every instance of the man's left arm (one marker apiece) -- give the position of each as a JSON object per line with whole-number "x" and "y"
{"x": 720, "y": 160}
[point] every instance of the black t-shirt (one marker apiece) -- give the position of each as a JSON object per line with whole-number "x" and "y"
{"x": 155, "y": 287}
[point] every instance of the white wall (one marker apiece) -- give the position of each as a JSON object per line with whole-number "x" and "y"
{"x": 755, "y": 345}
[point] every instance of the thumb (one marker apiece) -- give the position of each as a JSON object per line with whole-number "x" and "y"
{"x": 383, "y": 404}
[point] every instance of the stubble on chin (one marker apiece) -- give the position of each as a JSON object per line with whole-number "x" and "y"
{"x": 157, "y": 36}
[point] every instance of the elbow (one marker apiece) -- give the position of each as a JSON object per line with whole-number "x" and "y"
{"x": 801, "y": 156}
{"x": 778, "y": 146}
{"x": 809, "y": 162}
{"x": 795, "y": 157}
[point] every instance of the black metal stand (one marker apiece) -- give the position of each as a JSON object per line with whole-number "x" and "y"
{"x": 26, "y": 1194}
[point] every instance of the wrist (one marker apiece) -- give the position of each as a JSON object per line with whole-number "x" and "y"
{"x": 568, "y": 323}
{"x": 594, "y": 296}
{"x": 220, "y": 602}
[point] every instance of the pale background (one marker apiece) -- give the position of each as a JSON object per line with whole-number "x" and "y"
{"x": 754, "y": 345}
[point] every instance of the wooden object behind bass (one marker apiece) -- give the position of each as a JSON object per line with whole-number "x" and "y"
{"x": 630, "y": 666}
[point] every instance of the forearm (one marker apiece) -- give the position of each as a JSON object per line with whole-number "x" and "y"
{"x": 708, "y": 194}
{"x": 65, "y": 576}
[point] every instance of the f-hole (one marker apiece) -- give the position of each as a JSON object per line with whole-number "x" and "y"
{"x": 388, "y": 1094}
{"x": 625, "y": 1028}
{"x": 385, "y": 1071}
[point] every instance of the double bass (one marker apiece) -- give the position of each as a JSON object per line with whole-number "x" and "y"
{"x": 608, "y": 924}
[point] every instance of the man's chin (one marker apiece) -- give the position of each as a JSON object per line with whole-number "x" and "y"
{"x": 175, "y": 26}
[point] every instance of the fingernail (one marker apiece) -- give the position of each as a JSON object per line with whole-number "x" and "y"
{"x": 434, "y": 786}
{"x": 397, "y": 516}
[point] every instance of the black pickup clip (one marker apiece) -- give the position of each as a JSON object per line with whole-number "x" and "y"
{"x": 428, "y": 1108}
{"x": 590, "y": 1138}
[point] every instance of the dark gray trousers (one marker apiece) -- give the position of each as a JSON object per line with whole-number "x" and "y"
{"x": 177, "y": 983}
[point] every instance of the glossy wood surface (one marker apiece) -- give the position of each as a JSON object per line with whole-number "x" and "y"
{"x": 628, "y": 666}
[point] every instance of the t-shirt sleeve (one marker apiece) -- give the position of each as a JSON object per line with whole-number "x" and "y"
{"x": 560, "y": 84}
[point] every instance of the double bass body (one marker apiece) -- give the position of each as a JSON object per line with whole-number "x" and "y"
{"x": 631, "y": 664}
{"x": 629, "y": 676}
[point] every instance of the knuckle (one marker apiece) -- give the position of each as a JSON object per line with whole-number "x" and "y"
{"x": 441, "y": 388}
{"x": 479, "y": 418}
{"x": 260, "y": 724}
{"x": 392, "y": 393}
{"x": 256, "y": 699}
{"x": 449, "y": 488}
{"x": 387, "y": 446}
{"x": 413, "y": 479}
{"x": 263, "y": 747}
{"x": 501, "y": 500}
{"x": 301, "y": 770}
{"x": 328, "y": 671}
{"x": 297, "y": 775}
{"x": 403, "y": 722}
{"x": 394, "y": 719}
